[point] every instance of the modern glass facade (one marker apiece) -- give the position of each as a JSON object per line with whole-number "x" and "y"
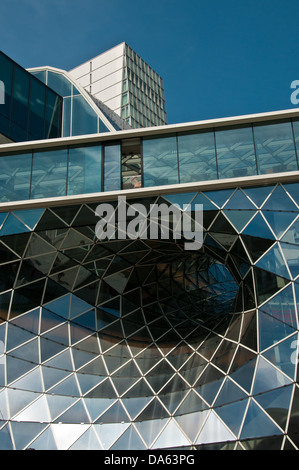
{"x": 134, "y": 342}
{"x": 80, "y": 115}
{"x": 183, "y": 157}
{"x": 139, "y": 344}
{"x": 31, "y": 110}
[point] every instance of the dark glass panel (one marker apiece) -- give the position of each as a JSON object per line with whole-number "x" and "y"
{"x": 37, "y": 109}
{"x": 20, "y": 97}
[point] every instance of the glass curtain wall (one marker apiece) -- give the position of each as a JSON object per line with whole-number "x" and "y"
{"x": 31, "y": 110}
{"x": 229, "y": 152}
{"x": 156, "y": 161}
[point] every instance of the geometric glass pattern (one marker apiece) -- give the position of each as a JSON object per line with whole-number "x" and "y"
{"x": 139, "y": 344}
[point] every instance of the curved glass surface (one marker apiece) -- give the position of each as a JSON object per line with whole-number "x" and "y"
{"x": 140, "y": 344}
{"x": 79, "y": 118}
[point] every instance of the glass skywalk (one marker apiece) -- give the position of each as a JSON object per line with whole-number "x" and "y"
{"x": 183, "y": 157}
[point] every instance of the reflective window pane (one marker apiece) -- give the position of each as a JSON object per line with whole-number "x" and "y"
{"x": 37, "y": 109}
{"x": 197, "y": 160}
{"x": 160, "y": 161}
{"x": 235, "y": 152}
{"x": 53, "y": 115}
{"x": 15, "y": 177}
{"x": 58, "y": 83}
{"x": 84, "y": 119}
{"x": 275, "y": 148}
{"x": 49, "y": 174}
{"x": 112, "y": 178}
{"x": 20, "y": 97}
{"x": 84, "y": 170}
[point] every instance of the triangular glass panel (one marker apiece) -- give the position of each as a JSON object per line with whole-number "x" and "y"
{"x": 150, "y": 429}
{"x": 279, "y": 201}
{"x": 52, "y": 376}
{"x": 24, "y": 433}
{"x": 78, "y": 306}
{"x": 37, "y": 412}
{"x": 267, "y": 284}
{"x": 279, "y": 221}
{"x": 68, "y": 387}
{"x": 49, "y": 221}
{"x": 104, "y": 390}
{"x": 273, "y": 261}
{"x": 239, "y": 218}
{"x": 30, "y": 217}
{"x": 232, "y": 415}
{"x": 191, "y": 423}
{"x": 191, "y": 404}
{"x": 66, "y": 213}
{"x": 12, "y": 226}
{"x": 153, "y": 411}
{"x": 17, "y": 401}
{"x": 135, "y": 405}
{"x": 62, "y": 361}
{"x": 239, "y": 201}
{"x": 180, "y": 199}
{"x": 60, "y": 306}
{"x": 209, "y": 383}
{"x": 214, "y": 431}
{"x": 292, "y": 235}
{"x": 45, "y": 441}
{"x": 207, "y": 204}
{"x": 31, "y": 382}
{"x": 291, "y": 253}
{"x": 58, "y": 404}
{"x": 258, "y": 227}
{"x": 267, "y": 377}
{"x": 293, "y": 191}
{"x": 88, "y": 441}
{"x": 257, "y": 424}
{"x": 282, "y": 307}
{"x": 17, "y": 336}
{"x": 129, "y": 440}
{"x": 243, "y": 367}
{"x": 258, "y": 195}
{"x": 277, "y": 403}
{"x": 97, "y": 406}
{"x": 76, "y": 414}
{"x": 280, "y": 356}
{"x": 73, "y": 239}
{"x": 219, "y": 197}
{"x": 67, "y": 434}
{"x": 171, "y": 436}
{"x": 230, "y": 392}
{"x": 271, "y": 331}
{"x": 109, "y": 433}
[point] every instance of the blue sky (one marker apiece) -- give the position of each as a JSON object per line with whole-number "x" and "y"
{"x": 218, "y": 58}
